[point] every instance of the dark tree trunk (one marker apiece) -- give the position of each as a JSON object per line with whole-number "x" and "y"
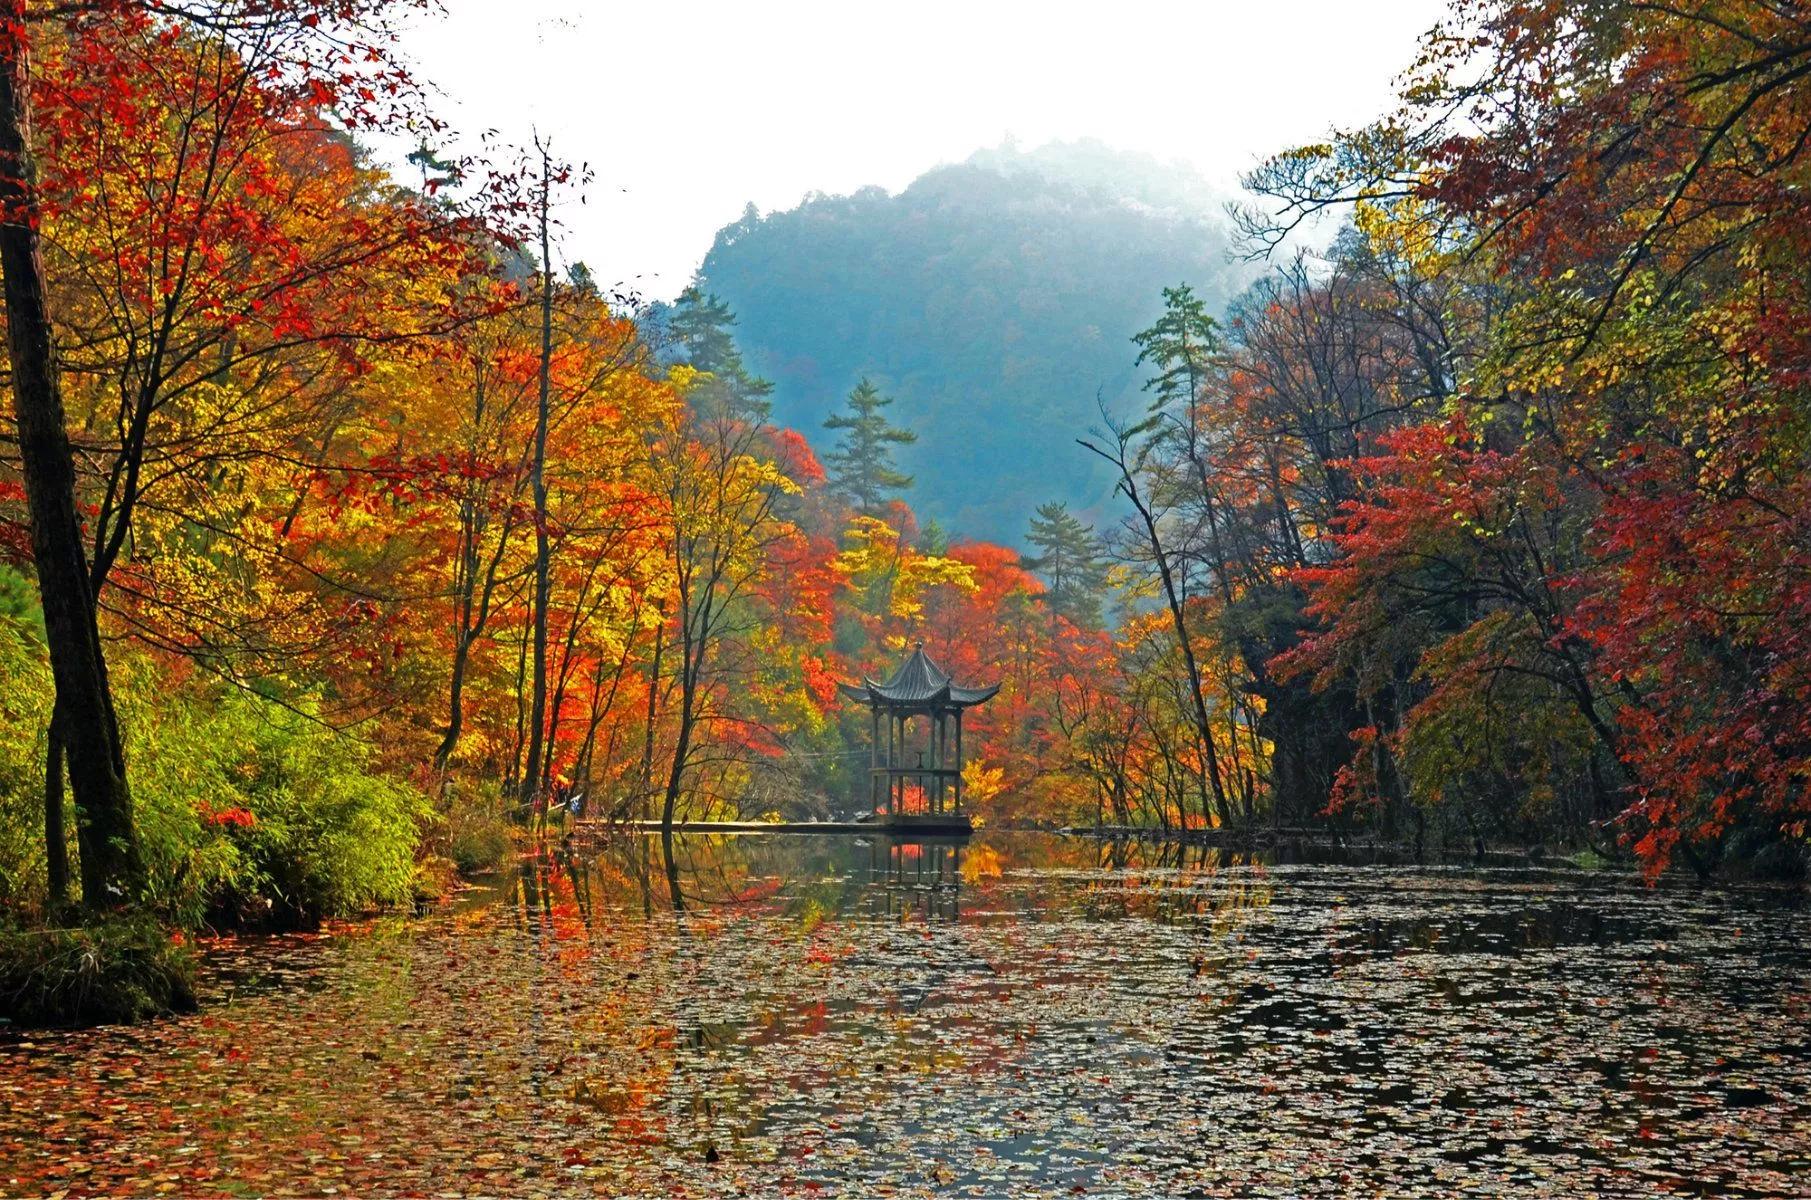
{"x": 455, "y": 713}
{"x": 647, "y": 749}
{"x": 682, "y": 744}
{"x": 537, "y": 723}
{"x": 1204, "y": 727}
{"x": 111, "y": 871}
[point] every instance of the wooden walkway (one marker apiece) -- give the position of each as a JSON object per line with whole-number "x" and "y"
{"x": 921, "y": 826}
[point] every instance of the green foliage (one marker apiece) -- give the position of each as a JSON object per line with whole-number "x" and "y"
{"x": 992, "y": 298}
{"x": 252, "y": 811}
{"x": 861, "y": 467}
{"x": 701, "y": 330}
{"x": 25, "y": 703}
{"x": 246, "y": 810}
{"x": 19, "y": 599}
{"x": 1181, "y": 344}
{"x": 123, "y": 970}
{"x": 1072, "y": 562}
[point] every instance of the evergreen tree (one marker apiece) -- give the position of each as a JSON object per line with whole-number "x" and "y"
{"x": 1181, "y": 345}
{"x": 1072, "y": 562}
{"x": 861, "y": 467}
{"x": 700, "y": 326}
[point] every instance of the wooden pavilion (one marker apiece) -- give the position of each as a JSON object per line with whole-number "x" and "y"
{"x": 917, "y": 783}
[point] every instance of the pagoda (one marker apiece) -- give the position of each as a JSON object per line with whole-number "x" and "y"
{"x": 916, "y": 781}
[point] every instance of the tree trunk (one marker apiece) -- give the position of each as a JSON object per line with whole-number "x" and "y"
{"x": 682, "y": 747}
{"x": 1204, "y": 726}
{"x": 537, "y": 724}
{"x": 647, "y": 749}
{"x": 691, "y": 668}
{"x": 111, "y": 870}
{"x": 455, "y": 713}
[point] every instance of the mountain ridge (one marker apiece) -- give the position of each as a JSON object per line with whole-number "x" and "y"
{"x": 994, "y": 299}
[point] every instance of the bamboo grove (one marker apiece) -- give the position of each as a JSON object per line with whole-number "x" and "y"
{"x": 1488, "y": 522}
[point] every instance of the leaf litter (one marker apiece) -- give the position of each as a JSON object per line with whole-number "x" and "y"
{"x": 826, "y": 1018}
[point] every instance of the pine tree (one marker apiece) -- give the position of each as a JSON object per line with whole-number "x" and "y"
{"x": 1181, "y": 345}
{"x": 701, "y": 326}
{"x": 861, "y": 467}
{"x": 1072, "y": 564}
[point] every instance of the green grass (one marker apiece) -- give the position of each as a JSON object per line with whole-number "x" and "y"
{"x": 119, "y": 970}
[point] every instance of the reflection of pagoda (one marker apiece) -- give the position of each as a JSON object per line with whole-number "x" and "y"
{"x": 923, "y": 782}
{"x": 917, "y": 876}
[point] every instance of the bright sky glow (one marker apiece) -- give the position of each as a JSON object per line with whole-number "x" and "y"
{"x": 688, "y": 109}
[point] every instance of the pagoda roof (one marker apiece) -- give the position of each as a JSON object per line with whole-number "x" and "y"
{"x": 919, "y": 682}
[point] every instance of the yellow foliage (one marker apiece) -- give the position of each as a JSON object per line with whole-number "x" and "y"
{"x": 892, "y": 577}
{"x": 982, "y": 783}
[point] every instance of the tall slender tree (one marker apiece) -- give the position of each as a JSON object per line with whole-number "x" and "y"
{"x": 1071, "y": 561}
{"x": 537, "y": 474}
{"x": 84, "y": 721}
{"x": 861, "y": 467}
{"x": 1119, "y": 449}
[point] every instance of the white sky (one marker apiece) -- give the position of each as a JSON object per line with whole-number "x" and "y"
{"x": 688, "y": 109}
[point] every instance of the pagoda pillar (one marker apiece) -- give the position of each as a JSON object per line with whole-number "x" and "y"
{"x": 958, "y": 760}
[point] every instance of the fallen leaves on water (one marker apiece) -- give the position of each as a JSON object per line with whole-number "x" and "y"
{"x": 1074, "y": 1030}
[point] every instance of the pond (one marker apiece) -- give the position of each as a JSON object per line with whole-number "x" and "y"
{"x": 1019, "y": 1015}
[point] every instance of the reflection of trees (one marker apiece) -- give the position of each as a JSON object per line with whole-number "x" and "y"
{"x": 552, "y": 904}
{"x": 1163, "y": 880}
{"x": 707, "y": 899}
{"x": 810, "y": 877}
{"x": 715, "y": 872}
{"x": 674, "y": 891}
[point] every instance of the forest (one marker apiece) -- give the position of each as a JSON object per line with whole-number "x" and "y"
{"x": 349, "y": 541}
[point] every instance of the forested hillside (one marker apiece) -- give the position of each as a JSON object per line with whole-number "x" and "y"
{"x": 994, "y": 299}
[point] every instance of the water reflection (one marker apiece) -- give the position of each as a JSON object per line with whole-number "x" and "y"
{"x": 1014, "y": 1015}
{"x": 886, "y": 876}
{"x": 915, "y": 877}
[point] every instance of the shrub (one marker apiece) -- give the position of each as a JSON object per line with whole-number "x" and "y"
{"x": 256, "y": 812}
{"x": 121, "y": 970}
{"x": 247, "y": 810}
{"x": 25, "y": 702}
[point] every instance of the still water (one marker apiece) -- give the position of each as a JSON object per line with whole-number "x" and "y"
{"x": 1017, "y": 1016}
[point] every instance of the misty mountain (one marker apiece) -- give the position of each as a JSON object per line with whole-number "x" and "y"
{"x": 994, "y": 299}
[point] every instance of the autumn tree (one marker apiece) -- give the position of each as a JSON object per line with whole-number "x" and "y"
{"x": 1617, "y": 191}
{"x": 221, "y": 264}
{"x": 720, "y": 494}
{"x": 545, "y": 179}
{"x": 84, "y": 719}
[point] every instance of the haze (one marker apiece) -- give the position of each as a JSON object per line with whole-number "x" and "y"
{"x": 692, "y": 109}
